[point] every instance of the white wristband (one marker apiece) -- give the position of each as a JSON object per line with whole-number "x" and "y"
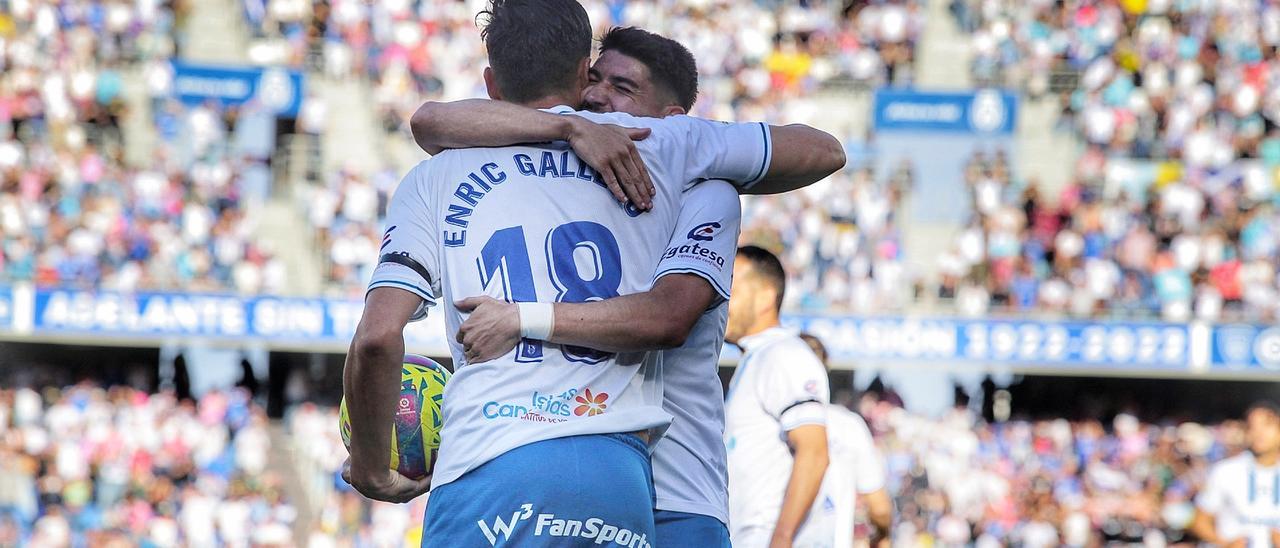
{"x": 537, "y": 320}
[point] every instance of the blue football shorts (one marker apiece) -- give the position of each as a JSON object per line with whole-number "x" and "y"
{"x": 578, "y": 491}
{"x": 677, "y": 529}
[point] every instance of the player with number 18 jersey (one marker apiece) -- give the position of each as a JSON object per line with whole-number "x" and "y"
{"x": 534, "y": 223}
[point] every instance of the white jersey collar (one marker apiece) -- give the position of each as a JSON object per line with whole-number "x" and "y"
{"x": 560, "y": 109}
{"x": 762, "y": 338}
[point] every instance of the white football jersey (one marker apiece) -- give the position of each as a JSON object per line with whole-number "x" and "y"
{"x": 856, "y": 469}
{"x": 1244, "y": 499}
{"x": 689, "y": 470}
{"x": 779, "y": 385}
{"x": 534, "y": 223}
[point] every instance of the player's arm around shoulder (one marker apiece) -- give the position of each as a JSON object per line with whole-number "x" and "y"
{"x": 693, "y": 273}
{"x": 757, "y": 157}
{"x": 802, "y": 155}
{"x": 657, "y": 319}
{"x": 609, "y": 148}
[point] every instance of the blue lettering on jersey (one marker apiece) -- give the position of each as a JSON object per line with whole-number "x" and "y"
{"x": 695, "y": 251}
{"x": 469, "y": 197}
{"x": 524, "y": 164}
{"x": 548, "y": 166}
{"x": 570, "y": 167}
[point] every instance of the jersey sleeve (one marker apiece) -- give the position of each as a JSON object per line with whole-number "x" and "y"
{"x": 797, "y": 391}
{"x": 869, "y": 472}
{"x": 692, "y": 149}
{"x": 409, "y": 257}
{"x": 1213, "y": 498}
{"x": 706, "y": 237}
{"x": 736, "y": 152}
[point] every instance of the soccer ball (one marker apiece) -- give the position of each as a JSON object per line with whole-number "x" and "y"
{"x": 415, "y": 436}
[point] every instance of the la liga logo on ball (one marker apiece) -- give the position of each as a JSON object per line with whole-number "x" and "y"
{"x": 416, "y": 427}
{"x": 590, "y": 404}
{"x": 406, "y": 406}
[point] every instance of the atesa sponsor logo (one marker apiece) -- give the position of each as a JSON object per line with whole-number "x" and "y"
{"x": 549, "y": 525}
{"x": 704, "y": 232}
{"x": 695, "y": 250}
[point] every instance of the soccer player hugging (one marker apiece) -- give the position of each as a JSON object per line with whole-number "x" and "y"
{"x": 548, "y": 285}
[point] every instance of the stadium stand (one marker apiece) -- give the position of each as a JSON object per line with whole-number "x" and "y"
{"x": 1152, "y": 79}
{"x": 1168, "y": 213}
{"x": 774, "y": 51}
{"x": 91, "y": 466}
{"x": 74, "y": 212}
{"x": 958, "y": 480}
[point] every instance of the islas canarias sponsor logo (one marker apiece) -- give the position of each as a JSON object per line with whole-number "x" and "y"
{"x": 590, "y": 404}
{"x": 501, "y": 528}
{"x": 549, "y": 408}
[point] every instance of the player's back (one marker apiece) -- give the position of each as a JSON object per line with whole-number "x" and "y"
{"x": 527, "y": 224}
{"x": 534, "y": 223}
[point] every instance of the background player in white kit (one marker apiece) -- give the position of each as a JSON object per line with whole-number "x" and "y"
{"x": 775, "y": 412}
{"x": 645, "y": 74}
{"x": 856, "y": 475}
{"x": 1240, "y": 503}
{"x": 515, "y": 221}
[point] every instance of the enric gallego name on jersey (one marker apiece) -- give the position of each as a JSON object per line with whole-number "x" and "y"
{"x": 467, "y": 195}
{"x": 549, "y": 525}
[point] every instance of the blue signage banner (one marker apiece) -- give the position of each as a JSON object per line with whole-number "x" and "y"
{"x": 160, "y": 315}
{"x": 984, "y": 112}
{"x": 6, "y": 308}
{"x": 329, "y": 324}
{"x": 1250, "y": 348}
{"x": 1148, "y": 346}
{"x": 277, "y": 90}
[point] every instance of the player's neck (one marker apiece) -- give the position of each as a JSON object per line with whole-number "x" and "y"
{"x": 763, "y": 323}
{"x": 1267, "y": 459}
{"x": 551, "y": 101}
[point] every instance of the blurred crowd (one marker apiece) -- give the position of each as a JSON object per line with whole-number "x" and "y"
{"x": 958, "y": 480}
{"x": 84, "y": 465}
{"x": 88, "y": 466}
{"x": 838, "y": 240}
{"x": 1193, "y": 82}
{"x": 1187, "y": 245}
{"x": 1121, "y": 240}
{"x": 1196, "y": 81}
{"x": 73, "y": 210}
{"x": 775, "y": 53}
{"x": 753, "y": 57}
{"x": 346, "y": 213}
